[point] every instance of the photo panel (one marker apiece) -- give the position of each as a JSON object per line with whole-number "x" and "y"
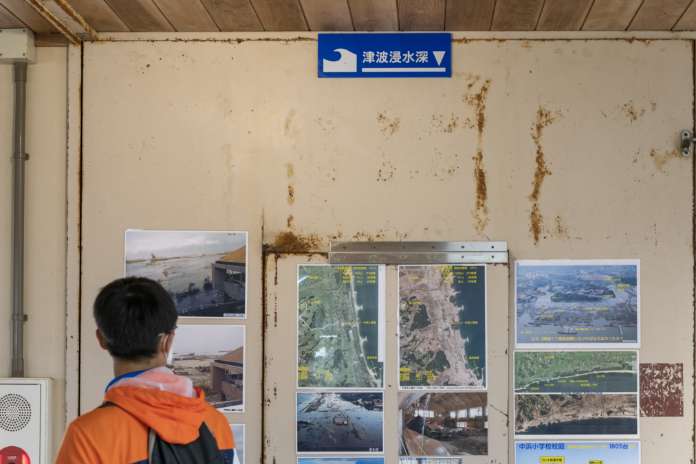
{"x": 212, "y": 356}
{"x": 411, "y": 460}
{"x": 576, "y": 452}
{"x": 323, "y": 460}
{"x": 592, "y": 372}
{"x": 576, "y": 415}
{"x": 442, "y": 327}
{"x": 443, "y": 424}
{"x": 340, "y": 422}
{"x": 340, "y": 327}
{"x": 577, "y": 304}
{"x": 238, "y": 431}
{"x": 204, "y": 272}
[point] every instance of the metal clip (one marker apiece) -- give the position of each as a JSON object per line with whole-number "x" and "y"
{"x": 687, "y": 141}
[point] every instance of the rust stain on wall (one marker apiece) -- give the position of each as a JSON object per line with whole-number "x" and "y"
{"x": 544, "y": 118}
{"x": 662, "y": 390}
{"x": 291, "y": 221}
{"x": 389, "y": 126}
{"x": 290, "y": 170}
{"x": 386, "y": 172}
{"x": 445, "y": 124}
{"x": 632, "y": 113}
{"x": 662, "y": 158}
{"x": 288, "y": 122}
{"x": 289, "y": 242}
{"x": 291, "y": 194}
{"x": 477, "y": 101}
{"x": 559, "y": 228}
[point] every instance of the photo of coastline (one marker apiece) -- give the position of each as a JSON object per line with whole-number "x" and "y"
{"x": 204, "y": 272}
{"x": 576, "y": 371}
{"x": 345, "y": 422}
{"x": 339, "y": 326}
{"x": 575, "y": 452}
{"x": 589, "y": 304}
{"x": 442, "y": 327}
{"x": 576, "y": 415}
{"x": 443, "y": 424}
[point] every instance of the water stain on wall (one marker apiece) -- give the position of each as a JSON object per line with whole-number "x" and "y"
{"x": 661, "y": 158}
{"x": 544, "y": 118}
{"x": 477, "y": 100}
{"x": 291, "y": 194}
{"x": 388, "y": 125}
{"x": 631, "y": 112}
{"x": 289, "y": 242}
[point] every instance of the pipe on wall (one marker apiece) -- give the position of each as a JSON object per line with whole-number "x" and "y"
{"x": 19, "y": 158}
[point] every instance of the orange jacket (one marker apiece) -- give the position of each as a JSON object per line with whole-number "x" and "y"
{"x": 118, "y": 435}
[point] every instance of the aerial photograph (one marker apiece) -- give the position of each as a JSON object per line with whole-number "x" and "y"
{"x": 322, "y": 460}
{"x": 339, "y": 338}
{"x": 570, "y": 414}
{"x": 238, "y": 431}
{"x": 204, "y": 272}
{"x": 412, "y": 460}
{"x": 345, "y": 422}
{"x": 573, "y": 452}
{"x": 577, "y": 303}
{"x": 212, "y": 356}
{"x": 443, "y": 424}
{"x": 576, "y": 372}
{"x": 442, "y": 326}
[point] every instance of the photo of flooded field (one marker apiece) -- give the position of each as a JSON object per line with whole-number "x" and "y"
{"x": 590, "y": 303}
{"x": 576, "y": 415}
{"x": 345, "y": 422}
{"x": 204, "y": 272}
{"x": 238, "y": 432}
{"x": 212, "y": 356}
{"x": 576, "y": 372}
{"x": 443, "y": 424}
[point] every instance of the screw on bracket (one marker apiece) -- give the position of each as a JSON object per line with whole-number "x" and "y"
{"x": 687, "y": 141}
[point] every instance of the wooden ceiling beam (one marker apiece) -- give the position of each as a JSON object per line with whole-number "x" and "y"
{"x": 55, "y": 22}
{"x": 327, "y": 15}
{"x": 187, "y": 15}
{"x": 563, "y": 15}
{"x": 233, "y": 15}
{"x": 611, "y": 15}
{"x": 141, "y": 15}
{"x": 280, "y": 15}
{"x": 100, "y": 15}
{"x": 421, "y": 15}
{"x": 26, "y": 13}
{"x": 469, "y": 15}
{"x": 374, "y": 15}
{"x": 516, "y": 15}
{"x": 77, "y": 17}
{"x": 658, "y": 15}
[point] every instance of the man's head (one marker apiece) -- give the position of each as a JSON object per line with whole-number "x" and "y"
{"x": 135, "y": 318}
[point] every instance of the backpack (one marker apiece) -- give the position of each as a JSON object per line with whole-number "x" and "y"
{"x": 203, "y": 450}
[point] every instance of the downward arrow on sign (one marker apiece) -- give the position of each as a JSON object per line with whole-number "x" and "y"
{"x": 438, "y": 57}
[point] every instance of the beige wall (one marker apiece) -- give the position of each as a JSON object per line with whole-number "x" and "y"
{"x": 45, "y": 223}
{"x": 216, "y": 134}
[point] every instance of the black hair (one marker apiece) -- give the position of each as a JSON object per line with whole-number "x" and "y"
{"x": 131, "y": 314}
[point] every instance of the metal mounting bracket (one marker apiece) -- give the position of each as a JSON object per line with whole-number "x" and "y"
{"x": 687, "y": 141}
{"x": 418, "y": 253}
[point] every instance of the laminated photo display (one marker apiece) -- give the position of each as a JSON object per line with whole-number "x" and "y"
{"x": 212, "y": 356}
{"x": 340, "y": 327}
{"x": 442, "y": 327}
{"x": 577, "y": 452}
{"x": 577, "y": 304}
{"x": 204, "y": 272}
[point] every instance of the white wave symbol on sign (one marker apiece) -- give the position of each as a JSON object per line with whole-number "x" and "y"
{"x": 348, "y": 62}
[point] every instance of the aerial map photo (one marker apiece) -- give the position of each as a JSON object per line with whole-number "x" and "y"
{"x": 212, "y": 356}
{"x": 577, "y": 303}
{"x": 346, "y": 422}
{"x": 442, "y": 326}
{"x": 573, "y": 452}
{"x": 443, "y": 424}
{"x": 340, "y": 460}
{"x": 339, "y": 326}
{"x": 576, "y": 372}
{"x": 204, "y": 272}
{"x": 578, "y": 415}
{"x": 410, "y": 460}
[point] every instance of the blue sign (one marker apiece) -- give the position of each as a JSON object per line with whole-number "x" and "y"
{"x": 385, "y": 55}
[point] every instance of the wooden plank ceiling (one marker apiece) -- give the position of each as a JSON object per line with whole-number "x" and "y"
{"x": 365, "y": 15}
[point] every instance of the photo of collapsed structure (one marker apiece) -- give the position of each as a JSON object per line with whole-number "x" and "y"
{"x": 443, "y": 424}
{"x": 212, "y": 356}
{"x": 204, "y": 272}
